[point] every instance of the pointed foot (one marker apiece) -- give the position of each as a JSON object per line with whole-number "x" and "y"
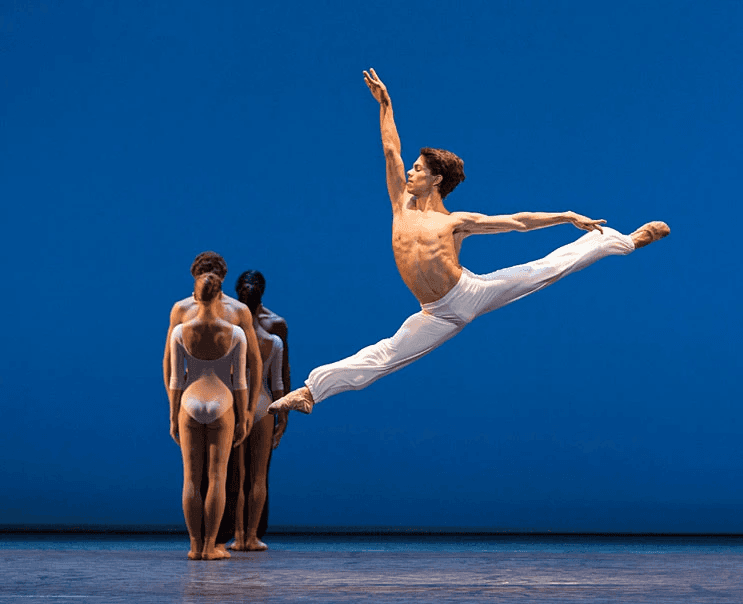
{"x": 297, "y": 400}
{"x": 649, "y": 233}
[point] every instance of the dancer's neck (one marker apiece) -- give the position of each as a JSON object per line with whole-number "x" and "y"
{"x": 430, "y": 202}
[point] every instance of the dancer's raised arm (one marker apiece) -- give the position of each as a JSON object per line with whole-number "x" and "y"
{"x": 390, "y": 140}
{"x": 471, "y": 223}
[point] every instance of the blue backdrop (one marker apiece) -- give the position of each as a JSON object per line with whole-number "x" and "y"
{"x": 135, "y": 135}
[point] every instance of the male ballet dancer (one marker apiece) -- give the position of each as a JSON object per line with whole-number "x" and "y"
{"x": 426, "y": 239}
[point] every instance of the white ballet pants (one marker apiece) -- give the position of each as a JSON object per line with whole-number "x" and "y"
{"x": 472, "y": 296}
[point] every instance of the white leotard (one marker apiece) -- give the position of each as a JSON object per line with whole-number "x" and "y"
{"x": 207, "y": 384}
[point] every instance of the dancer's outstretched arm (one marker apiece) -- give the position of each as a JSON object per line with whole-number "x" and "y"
{"x": 390, "y": 140}
{"x": 471, "y": 223}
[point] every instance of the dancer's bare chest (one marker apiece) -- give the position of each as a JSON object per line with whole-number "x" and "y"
{"x": 426, "y": 253}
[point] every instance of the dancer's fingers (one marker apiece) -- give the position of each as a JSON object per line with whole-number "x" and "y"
{"x": 376, "y": 77}
{"x": 371, "y": 84}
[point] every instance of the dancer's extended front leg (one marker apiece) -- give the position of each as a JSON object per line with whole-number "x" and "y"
{"x": 494, "y": 290}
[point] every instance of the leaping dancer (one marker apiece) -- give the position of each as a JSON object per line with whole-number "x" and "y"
{"x": 426, "y": 239}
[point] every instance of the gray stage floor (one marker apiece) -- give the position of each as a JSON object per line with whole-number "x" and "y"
{"x": 373, "y": 569}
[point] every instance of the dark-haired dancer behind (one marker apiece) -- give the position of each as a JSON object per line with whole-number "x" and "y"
{"x": 426, "y": 239}
{"x": 235, "y": 312}
{"x": 207, "y": 378}
{"x": 252, "y": 283}
{"x": 275, "y": 325}
{"x": 255, "y": 453}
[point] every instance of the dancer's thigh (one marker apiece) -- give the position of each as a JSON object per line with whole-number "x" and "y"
{"x": 494, "y": 290}
{"x": 219, "y": 442}
{"x": 420, "y": 334}
{"x": 193, "y": 442}
{"x": 507, "y": 285}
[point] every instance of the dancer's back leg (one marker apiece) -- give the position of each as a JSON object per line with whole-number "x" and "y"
{"x": 649, "y": 233}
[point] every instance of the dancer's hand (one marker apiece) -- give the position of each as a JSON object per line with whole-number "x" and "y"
{"x": 585, "y": 223}
{"x": 241, "y": 433}
{"x": 174, "y": 433}
{"x": 282, "y": 419}
{"x": 378, "y": 89}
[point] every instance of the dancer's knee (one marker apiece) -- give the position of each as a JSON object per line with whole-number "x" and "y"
{"x": 258, "y": 491}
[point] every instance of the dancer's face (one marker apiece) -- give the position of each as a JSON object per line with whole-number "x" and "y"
{"x": 420, "y": 179}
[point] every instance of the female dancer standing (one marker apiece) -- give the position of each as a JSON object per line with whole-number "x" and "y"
{"x": 201, "y": 410}
{"x": 257, "y": 448}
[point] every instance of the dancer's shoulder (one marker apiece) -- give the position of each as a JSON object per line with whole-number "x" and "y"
{"x": 238, "y": 334}
{"x": 180, "y": 311}
{"x": 273, "y": 323}
{"x": 277, "y": 344}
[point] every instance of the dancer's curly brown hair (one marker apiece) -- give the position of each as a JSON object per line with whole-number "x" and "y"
{"x": 445, "y": 164}
{"x": 209, "y": 262}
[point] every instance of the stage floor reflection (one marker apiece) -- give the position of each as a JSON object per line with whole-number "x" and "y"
{"x": 317, "y": 568}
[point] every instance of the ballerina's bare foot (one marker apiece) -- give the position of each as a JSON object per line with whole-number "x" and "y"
{"x": 649, "y": 233}
{"x": 218, "y": 553}
{"x": 222, "y": 549}
{"x": 297, "y": 400}
{"x": 255, "y": 545}
{"x": 215, "y": 555}
{"x": 196, "y": 546}
{"x": 238, "y": 545}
